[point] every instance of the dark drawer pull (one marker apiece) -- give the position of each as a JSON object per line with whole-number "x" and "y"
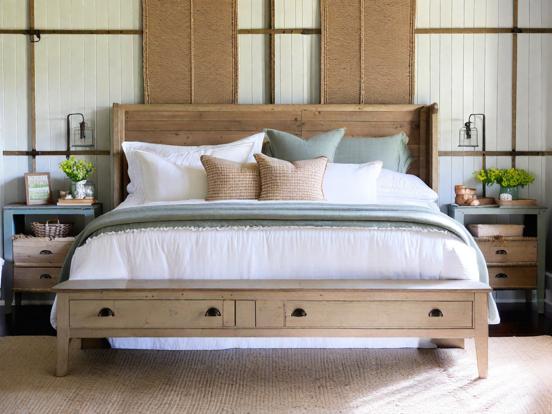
{"x": 501, "y": 252}
{"x": 212, "y": 312}
{"x": 45, "y": 276}
{"x": 501, "y": 276}
{"x": 105, "y": 312}
{"x": 299, "y": 313}
{"x": 46, "y": 252}
{"x": 435, "y": 313}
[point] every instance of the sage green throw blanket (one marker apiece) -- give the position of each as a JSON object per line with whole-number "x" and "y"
{"x": 278, "y": 214}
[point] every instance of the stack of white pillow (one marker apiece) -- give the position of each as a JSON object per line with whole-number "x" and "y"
{"x": 174, "y": 173}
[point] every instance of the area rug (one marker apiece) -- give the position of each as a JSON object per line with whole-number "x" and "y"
{"x": 277, "y": 381}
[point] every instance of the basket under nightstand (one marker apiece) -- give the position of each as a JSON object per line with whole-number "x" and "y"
{"x": 513, "y": 262}
{"x": 33, "y": 263}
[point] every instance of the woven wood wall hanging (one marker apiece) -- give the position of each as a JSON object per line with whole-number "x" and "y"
{"x": 367, "y": 51}
{"x": 190, "y": 51}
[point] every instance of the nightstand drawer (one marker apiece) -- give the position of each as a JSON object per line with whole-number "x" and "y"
{"x": 37, "y": 251}
{"x": 513, "y": 277}
{"x": 508, "y": 250}
{"x": 35, "y": 278}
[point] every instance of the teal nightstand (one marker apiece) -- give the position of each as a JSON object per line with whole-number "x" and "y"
{"x": 35, "y": 266}
{"x": 514, "y": 263}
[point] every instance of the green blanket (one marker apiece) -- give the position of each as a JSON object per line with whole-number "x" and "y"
{"x": 277, "y": 214}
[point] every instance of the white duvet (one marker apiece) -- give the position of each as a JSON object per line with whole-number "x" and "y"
{"x": 272, "y": 253}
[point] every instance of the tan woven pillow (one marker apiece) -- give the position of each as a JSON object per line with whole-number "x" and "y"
{"x": 298, "y": 180}
{"x": 230, "y": 180}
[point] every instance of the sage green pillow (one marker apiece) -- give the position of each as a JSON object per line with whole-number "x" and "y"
{"x": 392, "y": 151}
{"x": 289, "y": 147}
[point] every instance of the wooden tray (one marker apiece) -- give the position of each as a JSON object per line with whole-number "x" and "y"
{"x": 517, "y": 203}
{"x": 74, "y": 202}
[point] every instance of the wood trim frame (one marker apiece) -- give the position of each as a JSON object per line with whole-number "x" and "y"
{"x": 191, "y": 124}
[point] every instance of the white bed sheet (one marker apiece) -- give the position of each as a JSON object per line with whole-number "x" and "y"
{"x": 274, "y": 253}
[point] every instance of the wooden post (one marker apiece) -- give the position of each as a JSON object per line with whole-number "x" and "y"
{"x": 481, "y": 325}
{"x": 62, "y": 335}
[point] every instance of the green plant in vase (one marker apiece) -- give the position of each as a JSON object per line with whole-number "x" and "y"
{"x": 509, "y": 180}
{"x": 78, "y": 172}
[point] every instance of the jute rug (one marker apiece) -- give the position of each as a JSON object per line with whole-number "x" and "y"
{"x": 277, "y": 381}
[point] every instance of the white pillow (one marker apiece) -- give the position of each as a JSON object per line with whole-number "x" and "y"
{"x": 351, "y": 183}
{"x": 393, "y": 184}
{"x": 239, "y": 151}
{"x": 164, "y": 180}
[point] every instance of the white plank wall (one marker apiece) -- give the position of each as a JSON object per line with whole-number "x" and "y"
{"x": 473, "y": 73}
{"x": 297, "y": 57}
{"x": 74, "y": 73}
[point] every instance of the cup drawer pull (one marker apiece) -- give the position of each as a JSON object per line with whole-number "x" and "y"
{"x": 46, "y": 252}
{"x": 45, "y": 276}
{"x": 435, "y": 313}
{"x": 501, "y": 252}
{"x": 105, "y": 312}
{"x": 299, "y": 313}
{"x": 212, "y": 312}
{"x": 501, "y": 276}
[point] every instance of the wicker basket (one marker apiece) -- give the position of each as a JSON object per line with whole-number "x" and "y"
{"x": 49, "y": 229}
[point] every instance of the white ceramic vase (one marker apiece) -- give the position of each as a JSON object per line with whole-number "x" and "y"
{"x": 79, "y": 189}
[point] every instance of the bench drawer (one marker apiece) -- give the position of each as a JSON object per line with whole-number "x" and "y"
{"x": 146, "y": 313}
{"x": 378, "y": 314}
{"x": 41, "y": 250}
{"x": 509, "y": 251}
{"x": 35, "y": 278}
{"x": 513, "y": 277}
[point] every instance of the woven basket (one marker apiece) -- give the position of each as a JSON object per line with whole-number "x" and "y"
{"x": 51, "y": 230}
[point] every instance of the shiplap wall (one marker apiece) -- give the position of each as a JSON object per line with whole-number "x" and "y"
{"x": 463, "y": 73}
{"x": 468, "y": 73}
{"x": 74, "y": 73}
{"x": 297, "y": 57}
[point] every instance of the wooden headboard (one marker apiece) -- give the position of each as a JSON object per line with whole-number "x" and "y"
{"x": 191, "y": 124}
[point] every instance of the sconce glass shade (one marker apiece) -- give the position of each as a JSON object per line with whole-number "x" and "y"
{"x": 82, "y": 137}
{"x": 468, "y": 136}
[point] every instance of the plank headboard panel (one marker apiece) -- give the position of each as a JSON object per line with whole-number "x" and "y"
{"x": 191, "y": 124}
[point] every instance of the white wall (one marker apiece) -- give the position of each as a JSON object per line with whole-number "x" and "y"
{"x": 74, "y": 73}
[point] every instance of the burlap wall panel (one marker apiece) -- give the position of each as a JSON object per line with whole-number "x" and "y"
{"x": 189, "y": 51}
{"x": 341, "y": 63}
{"x": 368, "y": 51}
{"x": 167, "y": 51}
{"x": 388, "y": 51}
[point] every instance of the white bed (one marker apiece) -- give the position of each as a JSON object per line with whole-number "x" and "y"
{"x": 404, "y": 252}
{"x": 273, "y": 253}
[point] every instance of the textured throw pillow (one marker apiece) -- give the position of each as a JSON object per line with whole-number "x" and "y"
{"x": 392, "y": 151}
{"x": 229, "y": 180}
{"x": 298, "y": 180}
{"x": 290, "y": 147}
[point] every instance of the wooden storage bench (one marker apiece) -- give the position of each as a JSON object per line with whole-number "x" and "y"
{"x": 271, "y": 308}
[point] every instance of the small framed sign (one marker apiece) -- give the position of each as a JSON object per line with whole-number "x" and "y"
{"x": 37, "y": 188}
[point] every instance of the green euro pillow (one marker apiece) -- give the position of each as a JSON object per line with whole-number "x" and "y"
{"x": 392, "y": 151}
{"x": 289, "y": 147}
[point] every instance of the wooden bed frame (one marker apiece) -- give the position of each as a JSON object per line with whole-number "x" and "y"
{"x": 449, "y": 310}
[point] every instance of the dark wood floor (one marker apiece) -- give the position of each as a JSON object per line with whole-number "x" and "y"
{"x": 518, "y": 319}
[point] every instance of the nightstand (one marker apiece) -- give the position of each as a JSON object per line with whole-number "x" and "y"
{"x": 513, "y": 262}
{"x": 33, "y": 264}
